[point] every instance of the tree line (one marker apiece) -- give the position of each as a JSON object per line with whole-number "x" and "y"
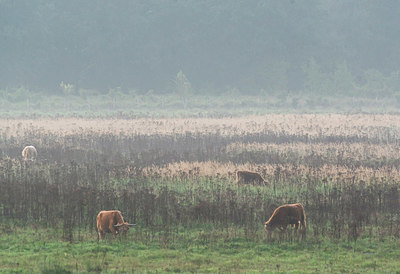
{"x": 328, "y": 47}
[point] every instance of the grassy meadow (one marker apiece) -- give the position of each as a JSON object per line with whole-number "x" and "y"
{"x": 44, "y": 251}
{"x": 175, "y": 178}
{"x": 22, "y": 102}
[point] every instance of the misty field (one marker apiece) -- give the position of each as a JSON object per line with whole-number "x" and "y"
{"x": 175, "y": 178}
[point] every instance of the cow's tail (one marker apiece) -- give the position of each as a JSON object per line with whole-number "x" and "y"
{"x": 97, "y": 230}
{"x": 304, "y": 227}
{"x": 303, "y": 217}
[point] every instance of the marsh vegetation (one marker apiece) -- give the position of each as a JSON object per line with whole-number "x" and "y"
{"x": 175, "y": 178}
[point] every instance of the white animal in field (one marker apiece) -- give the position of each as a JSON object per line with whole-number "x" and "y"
{"x": 29, "y": 153}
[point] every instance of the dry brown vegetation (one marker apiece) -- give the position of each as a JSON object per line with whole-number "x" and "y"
{"x": 307, "y": 125}
{"x": 164, "y": 173}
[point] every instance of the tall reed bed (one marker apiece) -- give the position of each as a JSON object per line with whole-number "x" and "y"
{"x": 68, "y": 197}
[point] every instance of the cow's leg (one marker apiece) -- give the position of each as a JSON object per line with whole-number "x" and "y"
{"x": 303, "y": 224}
{"x": 296, "y": 228}
{"x": 303, "y": 230}
{"x": 282, "y": 230}
{"x": 115, "y": 232}
{"x": 281, "y": 233}
{"x": 101, "y": 234}
{"x": 98, "y": 232}
{"x": 269, "y": 235}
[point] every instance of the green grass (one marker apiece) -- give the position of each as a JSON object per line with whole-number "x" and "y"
{"x": 27, "y": 250}
{"x": 132, "y": 104}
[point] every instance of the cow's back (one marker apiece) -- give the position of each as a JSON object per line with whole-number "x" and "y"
{"x": 106, "y": 219}
{"x": 243, "y": 176}
{"x": 292, "y": 210}
{"x": 288, "y": 214}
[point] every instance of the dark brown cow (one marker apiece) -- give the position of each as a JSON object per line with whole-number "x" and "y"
{"x": 111, "y": 221}
{"x": 245, "y": 177}
{"x": 29, "y": 153}
{"x": 291, "y": 214}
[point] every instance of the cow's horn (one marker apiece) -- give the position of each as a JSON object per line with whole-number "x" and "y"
{"x": 118, "y": 225}
{"x": 131, "y": 224}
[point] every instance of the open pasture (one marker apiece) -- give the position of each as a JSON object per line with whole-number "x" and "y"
{"x": 175, "y": 179}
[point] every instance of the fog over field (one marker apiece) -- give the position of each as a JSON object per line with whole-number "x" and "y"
{"x": 296, "y": 54}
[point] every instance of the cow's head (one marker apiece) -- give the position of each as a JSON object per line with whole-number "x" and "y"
{"x": 123, "y": 227}
{"x": 268, "y": 227}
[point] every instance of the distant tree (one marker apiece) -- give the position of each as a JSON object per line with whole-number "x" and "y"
{"x": 114, "y": 94}
{"x": 376, "y": 83}
{"x": 343, "y": 79}
{"x": 394, "y": 81}
{"x": 67, "y": 90}
{"x": 277, "y": 77}
{"x": 182, "y": 87}
{"x": 316, "y": 82}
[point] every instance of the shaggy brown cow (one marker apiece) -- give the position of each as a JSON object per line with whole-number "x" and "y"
{"x": 112, "y": 222}
{"x": 245, "y": 177}
{"x": 29, "y": 153}
{"x": 292, "y": 214}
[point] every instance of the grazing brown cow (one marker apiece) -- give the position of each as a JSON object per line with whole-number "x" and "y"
{"x": 111, "y": 222}
{"x": 29, "y": 153}
{"x": 245, "y": 177}
{"x": 291, "y": 214}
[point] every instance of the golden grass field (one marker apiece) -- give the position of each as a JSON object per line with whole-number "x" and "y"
{"x": 312, "y": 125}
{"x": 343, "y": 146}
